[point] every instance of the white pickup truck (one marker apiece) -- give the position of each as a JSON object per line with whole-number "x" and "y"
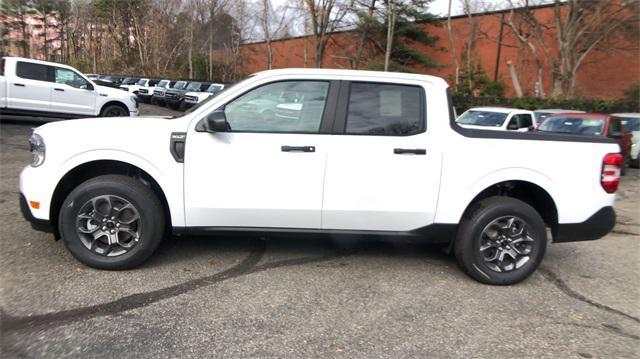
{"x": 368, "y": 154}
{"x": 48, "y": 89}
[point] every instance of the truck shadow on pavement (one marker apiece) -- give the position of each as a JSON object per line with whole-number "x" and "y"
{"x": 335, "y": 249}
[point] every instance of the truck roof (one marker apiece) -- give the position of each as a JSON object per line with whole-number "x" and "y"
{"x": 57, "y": 64}
{"x": 363, "y": 73}
{"x": 496, "y": 109}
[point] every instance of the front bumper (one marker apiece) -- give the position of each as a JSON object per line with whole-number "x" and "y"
{"x": 597, "y": 226}
{"x": 42, "y": 225}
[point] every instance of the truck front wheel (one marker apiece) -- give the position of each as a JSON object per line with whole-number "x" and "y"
{"x": 114, "y": 111}
{"x": 111, "y": 222}
{"x": 500, "y": 240}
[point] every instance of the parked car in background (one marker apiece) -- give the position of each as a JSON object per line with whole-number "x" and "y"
{"x": 49, "y": 89}
{"x": 385, "y": 159}
{"x": 159, "y": 93}
{"x": 589, "y": 124}
{"x": 115, "y": 80}
{"x": 129, "y": 82}
{"x": 105, "y": 83}
{"x": 175, "y": 96}
{"x": 631, "y": 123}
{"x": 135, "y": 88}
{"x": 195, "y": 97}
{"x": 92, "y": 76}
{"x": 541, "y": 114}
{"x": 497, "y": 119}
{"x": 145, "y": 93}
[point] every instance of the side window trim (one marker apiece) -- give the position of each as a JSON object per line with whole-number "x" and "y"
{"x": 342, "y": 111}
{"x": 328, "y": 114}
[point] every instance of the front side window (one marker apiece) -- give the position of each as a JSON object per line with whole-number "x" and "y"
{"x": 68, "y": 77}
{"x": 384, "y": 109}
{"x": 288, "y": 106}
{"x": 31, "y": 71}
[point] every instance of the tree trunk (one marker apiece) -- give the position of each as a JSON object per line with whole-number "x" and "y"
{"x": 363, "y": 37}
{"x": 391, "y": 22}
{"x": 514, "y": 78}
{"x": 452, "y": 47}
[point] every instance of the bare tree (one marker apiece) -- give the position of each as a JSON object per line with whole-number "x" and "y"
{"x": 576, "y": 29}
{"x": 452, "y": 46}
{"x": 391, "y": 24}
{"x": 272, "y": 23}
{"x": 325, "y": 16}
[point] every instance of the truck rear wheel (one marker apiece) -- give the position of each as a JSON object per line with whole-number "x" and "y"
{"x": 111, "y": 222}
{"x": 500, "y": 240}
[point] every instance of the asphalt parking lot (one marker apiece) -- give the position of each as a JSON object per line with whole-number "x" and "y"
{"x": 274, "y": 297}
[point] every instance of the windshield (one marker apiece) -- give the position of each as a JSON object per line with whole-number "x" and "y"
{"x": 180, "y": 85}
{"x": 129, "y": 81}
{"x": 215, "y": 88}
{"x": 142, "y": 82}
{"x": 631, "y": 123}
{"x": 162, "y": 83}
{"x": 197, "y": 106}
{"x": 573, "y": 125}
{"x": 194, "y": 86}
{"x": 482, "y": 118}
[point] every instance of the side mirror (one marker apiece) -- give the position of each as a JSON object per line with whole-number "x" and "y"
{"x": 616, "y": 135}
{"x": 512, "y": 126}
{"x": 217, "y": 122}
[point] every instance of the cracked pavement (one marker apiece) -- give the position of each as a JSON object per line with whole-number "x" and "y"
{"x": 276, "y": 297}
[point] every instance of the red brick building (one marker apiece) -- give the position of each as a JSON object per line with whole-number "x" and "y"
{"x": 606, "y": 72}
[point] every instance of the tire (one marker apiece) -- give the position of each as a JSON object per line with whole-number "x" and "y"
{"x": 114, "y": 111}
{"x": 116, "y": 190}
{"x": 487, "y": 216}
{"x": 635, "y": 163}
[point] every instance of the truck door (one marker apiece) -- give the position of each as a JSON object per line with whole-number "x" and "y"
{"x": 383, "y": 170}
{"x": 72, "y": 93}
{"x": 267, "y": 170}
{"x": 30, "y": 87}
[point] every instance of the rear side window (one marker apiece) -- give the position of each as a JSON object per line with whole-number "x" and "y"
{"x": 385, "y": 109}
{"x": 2, "y": 67}
{"x": 27, "y": 70}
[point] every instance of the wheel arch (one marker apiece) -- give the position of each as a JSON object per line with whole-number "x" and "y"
{"x": 114, "y": 102}
{"x": 529, "y": 192}
{"x": 87, "y": 170}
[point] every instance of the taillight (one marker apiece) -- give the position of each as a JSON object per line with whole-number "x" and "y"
{"x": 611, "y": 166}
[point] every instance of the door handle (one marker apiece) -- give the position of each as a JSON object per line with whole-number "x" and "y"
{"x": 415, "y": 151}
{"x": 21, "y": 85}
{"x": 298, "y": 148}
{"x": 58, "y": 89}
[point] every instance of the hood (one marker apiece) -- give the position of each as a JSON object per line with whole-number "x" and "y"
{"x": 143, "y": 137}
{"x": 112, "y": 92}
{"x": 200, "y": 95}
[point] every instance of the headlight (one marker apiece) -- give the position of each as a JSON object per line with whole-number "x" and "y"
{"x": 38, "y": 150}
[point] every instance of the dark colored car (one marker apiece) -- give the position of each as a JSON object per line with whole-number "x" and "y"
{"x": 174, "y": 96}
{"x": 588, "y": 124}
{"x": 157, "y": 97}
{"x": 115, "y": 80}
